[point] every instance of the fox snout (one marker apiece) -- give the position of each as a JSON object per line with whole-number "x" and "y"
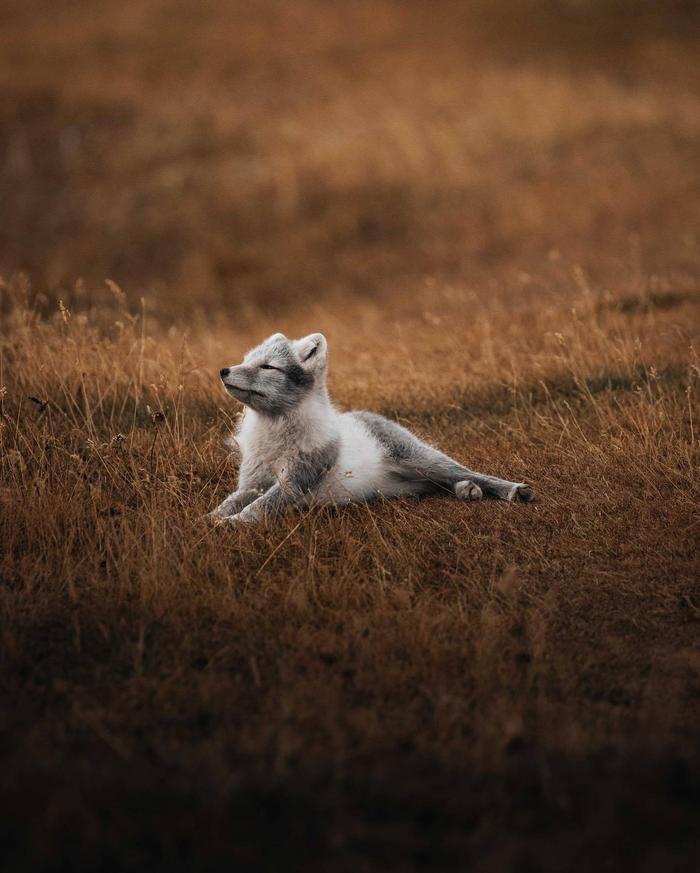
{"x": 235, "y": 377}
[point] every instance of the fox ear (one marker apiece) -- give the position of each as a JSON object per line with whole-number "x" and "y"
{"x": 312, "y": 351}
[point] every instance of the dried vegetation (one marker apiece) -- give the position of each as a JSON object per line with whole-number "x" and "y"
{"x": 493, "y": 217}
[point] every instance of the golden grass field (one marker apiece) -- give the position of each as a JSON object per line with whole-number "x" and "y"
{"x": 492, "y": 212}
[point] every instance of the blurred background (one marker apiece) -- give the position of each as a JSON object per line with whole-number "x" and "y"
{"x": 223, "y": 156}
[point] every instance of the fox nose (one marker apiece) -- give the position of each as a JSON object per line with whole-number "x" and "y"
{"x": 224, "y": 371}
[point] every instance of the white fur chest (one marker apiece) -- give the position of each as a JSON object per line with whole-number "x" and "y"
{"x": 360, "y": 471}
{"x": 275, "y": 441}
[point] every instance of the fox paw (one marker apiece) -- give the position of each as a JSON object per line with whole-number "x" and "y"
{"x": 522, "y": 492}
{"x": 467, "y": 490}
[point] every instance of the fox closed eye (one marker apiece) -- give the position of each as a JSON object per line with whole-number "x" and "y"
{"x": 268, "y": 367}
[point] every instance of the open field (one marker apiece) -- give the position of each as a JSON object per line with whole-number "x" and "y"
{"x": 493, "y": 216}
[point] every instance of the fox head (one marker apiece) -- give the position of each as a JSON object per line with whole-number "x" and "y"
{"x": 278, "y": 374}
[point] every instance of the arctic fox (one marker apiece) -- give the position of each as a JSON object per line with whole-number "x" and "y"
{"x": 297, "y": 450}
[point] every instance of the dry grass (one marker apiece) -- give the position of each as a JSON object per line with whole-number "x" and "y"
{"x": 497, "y": 231}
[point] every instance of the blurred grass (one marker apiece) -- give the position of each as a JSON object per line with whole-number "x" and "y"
{"x": 227, "y": 154}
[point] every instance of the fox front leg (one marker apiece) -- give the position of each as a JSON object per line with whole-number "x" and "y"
{"x": 296, "y": 487}
{"x": 235, "y": 502}
{"x": 254, "y": 480}
{"x": 265, "y": 506}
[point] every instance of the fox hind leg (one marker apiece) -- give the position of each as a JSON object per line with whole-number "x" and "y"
{"x": 502, "y": 488}
{"x": 431, "y": 470}
{"x": 465, "y": 489}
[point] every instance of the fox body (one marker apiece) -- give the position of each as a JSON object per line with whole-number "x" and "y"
{"x": 297, "y": 450}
